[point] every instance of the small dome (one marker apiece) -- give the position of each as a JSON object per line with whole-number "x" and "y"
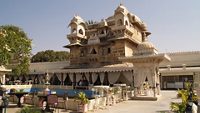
{"x": 146, "y": 48}
{"x": 145, "y": 45}
{"x": 77, "y": 18}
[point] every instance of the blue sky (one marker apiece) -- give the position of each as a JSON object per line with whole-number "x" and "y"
{"x": 174, "y": 24}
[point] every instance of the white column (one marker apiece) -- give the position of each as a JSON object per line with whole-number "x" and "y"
{"x": 102, "y": 74}
{"x": 3, "y": 78}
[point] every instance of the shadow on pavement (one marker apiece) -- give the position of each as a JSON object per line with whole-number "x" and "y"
{"x": 164, "y": 111}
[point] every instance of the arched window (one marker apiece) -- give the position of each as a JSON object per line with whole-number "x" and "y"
{"x": 54, "y": 80}
{"x": 67, "y": 81}
{"x": 119, "y": 22}
{"x": 109, "y": 50}
{"x": 80, "y": 31}
{"x": 74, "y": 30}
{"x": 93, "y": 51}
{"x": 102, "y": 31}
{"x": 126, "y": 22}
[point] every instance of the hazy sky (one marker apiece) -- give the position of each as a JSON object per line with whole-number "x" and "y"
{"x": 174, "y": 24}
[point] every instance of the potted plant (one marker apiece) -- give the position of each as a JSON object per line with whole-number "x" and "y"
{"x": 186, "y": 96}
{"x": 82, "y": 102}
{"x": 13, "y": 90}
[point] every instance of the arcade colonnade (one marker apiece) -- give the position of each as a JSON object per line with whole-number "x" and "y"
{"x": 73, "y": 76}
{"x": 135, "y": 77}
{"x": 101, "y": 78}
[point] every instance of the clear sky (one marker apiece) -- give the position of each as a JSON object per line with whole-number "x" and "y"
{"x": 174, "y": 24}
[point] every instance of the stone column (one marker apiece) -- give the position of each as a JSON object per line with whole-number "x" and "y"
{"x": 3, "y": 78}
{"x": 154, "y": 92}
{"x": 135, "y": 92}
{"x": 158, "y": 89}
{"x": 196, "y": 77}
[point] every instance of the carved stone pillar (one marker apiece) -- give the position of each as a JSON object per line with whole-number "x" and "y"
{"x": 135, "y": 92}
{"x": 154, "y": 92}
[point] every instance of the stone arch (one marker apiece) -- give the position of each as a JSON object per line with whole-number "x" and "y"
{"x": 93, "y": 51}
{"x": 126, "y": 22}
{"x": 54, "y": 80}
{"x": 80, "y": 31}
{"x": 67, "y": 80}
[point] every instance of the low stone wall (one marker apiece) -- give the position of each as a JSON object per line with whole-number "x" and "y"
{"x": 98, "y": 102}
{"x": 71, "y": 104}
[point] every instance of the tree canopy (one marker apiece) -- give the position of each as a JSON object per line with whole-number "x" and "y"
{"x": 15, "y": 49}
{"x": 50, "y": 56}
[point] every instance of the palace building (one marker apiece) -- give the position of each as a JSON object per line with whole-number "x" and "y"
{"x": 113, "y": 51}
{"x": 116, "y": 50}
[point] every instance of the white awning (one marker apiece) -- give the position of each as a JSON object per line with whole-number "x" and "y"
{"x": 93, "y": 70}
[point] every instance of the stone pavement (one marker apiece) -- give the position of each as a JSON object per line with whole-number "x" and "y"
{"x": 132, "y": 106}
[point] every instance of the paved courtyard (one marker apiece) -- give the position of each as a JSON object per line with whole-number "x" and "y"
{"x": 132, "y": 106}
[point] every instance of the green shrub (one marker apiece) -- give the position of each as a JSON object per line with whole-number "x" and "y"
{"x": 29, "y": 109}
{"x": 21, "y": 90}
{"x": 178, "y": 107}
{"x": 184, "y": 95}
{"x": 82, "y": 97}
{"x": 13, "y": 90}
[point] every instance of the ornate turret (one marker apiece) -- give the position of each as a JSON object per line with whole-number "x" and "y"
{"x": 121, "y": 9}
{"x": 78, "y": 27}
{"x": 120, "y": 15}
{"x": 102, "y": 42}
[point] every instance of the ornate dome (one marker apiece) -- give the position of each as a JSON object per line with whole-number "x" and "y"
{"x": 77, "y": 20}
{"x": 146, "y": 48}
{"x": 145, "y": 45}
{"x": 122, "y": 9}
